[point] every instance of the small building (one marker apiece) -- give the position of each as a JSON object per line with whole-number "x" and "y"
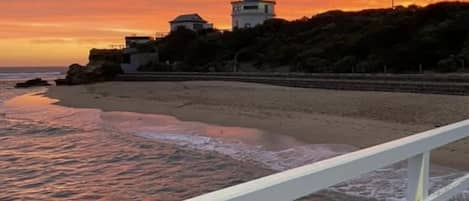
{"x": 135, "y": 40}
{"x": 137, "y": 53}
{"x": 190, "y": 21}
{"x": 250, "y": 13}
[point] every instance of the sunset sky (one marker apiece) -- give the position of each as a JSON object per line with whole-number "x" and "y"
{"x": 60, "y": 32}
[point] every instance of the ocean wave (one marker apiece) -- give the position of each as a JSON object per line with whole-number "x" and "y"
{"x": 279, "y": 160}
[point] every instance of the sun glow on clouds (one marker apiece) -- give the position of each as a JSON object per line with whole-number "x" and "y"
{"x": 60, "y": 32}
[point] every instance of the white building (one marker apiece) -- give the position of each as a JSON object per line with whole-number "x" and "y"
{"x": 190, "y": 21}
{"x": 133, "y": 58}
{"x": 250, "y": 13}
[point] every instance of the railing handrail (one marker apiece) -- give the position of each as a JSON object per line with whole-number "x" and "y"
{"x": 451, "y": 190}
{"x": 299, "y": 182}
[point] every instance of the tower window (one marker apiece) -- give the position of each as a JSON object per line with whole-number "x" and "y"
{"x": 251, "y": 7}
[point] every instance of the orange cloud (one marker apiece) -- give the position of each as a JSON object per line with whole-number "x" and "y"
{"x": 59, "y": 32}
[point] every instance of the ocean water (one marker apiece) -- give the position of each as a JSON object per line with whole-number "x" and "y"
{"x": 50, "y": 152}
{"x": 24, "y": 73}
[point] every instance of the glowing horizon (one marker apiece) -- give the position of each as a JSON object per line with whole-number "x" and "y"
{"x": 58, "y": 32}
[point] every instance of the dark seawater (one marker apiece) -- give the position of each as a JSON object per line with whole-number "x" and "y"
{"x": 24, "y": 73}
{"x": 50, "y": 152}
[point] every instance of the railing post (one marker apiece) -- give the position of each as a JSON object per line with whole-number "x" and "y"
{"x": 418, "y": 177}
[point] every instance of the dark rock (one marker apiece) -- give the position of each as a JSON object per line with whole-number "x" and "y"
{"x": 78, "y": 74}
{"x": 38, "y": 82}
{"x": 61, "y": 82}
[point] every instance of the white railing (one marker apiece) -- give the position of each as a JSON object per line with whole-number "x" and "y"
{"x": 299, "y": 182}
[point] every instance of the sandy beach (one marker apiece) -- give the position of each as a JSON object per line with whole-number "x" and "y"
{"x": 315, "y": 116}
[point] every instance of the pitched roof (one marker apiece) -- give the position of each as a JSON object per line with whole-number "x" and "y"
{"x": 189, "y": 18}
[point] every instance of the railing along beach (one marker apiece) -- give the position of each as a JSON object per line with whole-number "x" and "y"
{"x": 303, "y": 181}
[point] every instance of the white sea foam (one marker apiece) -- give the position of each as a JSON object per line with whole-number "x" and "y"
{"x": 274, "y": 159}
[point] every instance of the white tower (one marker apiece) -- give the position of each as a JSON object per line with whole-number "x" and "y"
{"x": 250, "y": 13}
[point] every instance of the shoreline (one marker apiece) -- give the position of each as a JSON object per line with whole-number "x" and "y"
{"x": 75, "y": 141}
{"x": 122, "y": 142}
{"x": 315, "y": 116}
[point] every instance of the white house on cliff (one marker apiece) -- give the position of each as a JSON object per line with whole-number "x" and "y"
{"x": 250, "y": 13}
{"x": 190, "y": 21}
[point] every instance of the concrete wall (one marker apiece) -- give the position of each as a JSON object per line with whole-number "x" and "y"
{"x": 441, "y": 84}
{"x": 105, "y": 55}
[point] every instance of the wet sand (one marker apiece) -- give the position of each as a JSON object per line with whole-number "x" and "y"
{"x": 314, "y": 116}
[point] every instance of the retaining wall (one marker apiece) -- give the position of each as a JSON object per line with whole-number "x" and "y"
{"x": 429, "y": 84}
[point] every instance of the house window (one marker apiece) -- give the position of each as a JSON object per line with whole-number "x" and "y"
{"x": 266, "y": 9}
{"x": 251, "y": 7}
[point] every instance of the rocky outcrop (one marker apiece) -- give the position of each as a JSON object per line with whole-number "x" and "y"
{"x": 98, "y": 71}
{"x": 104, "y": 65}
{"x": 38, "y": 82}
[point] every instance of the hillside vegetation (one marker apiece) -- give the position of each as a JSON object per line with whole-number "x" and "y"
{"x": 402, "y": 40}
